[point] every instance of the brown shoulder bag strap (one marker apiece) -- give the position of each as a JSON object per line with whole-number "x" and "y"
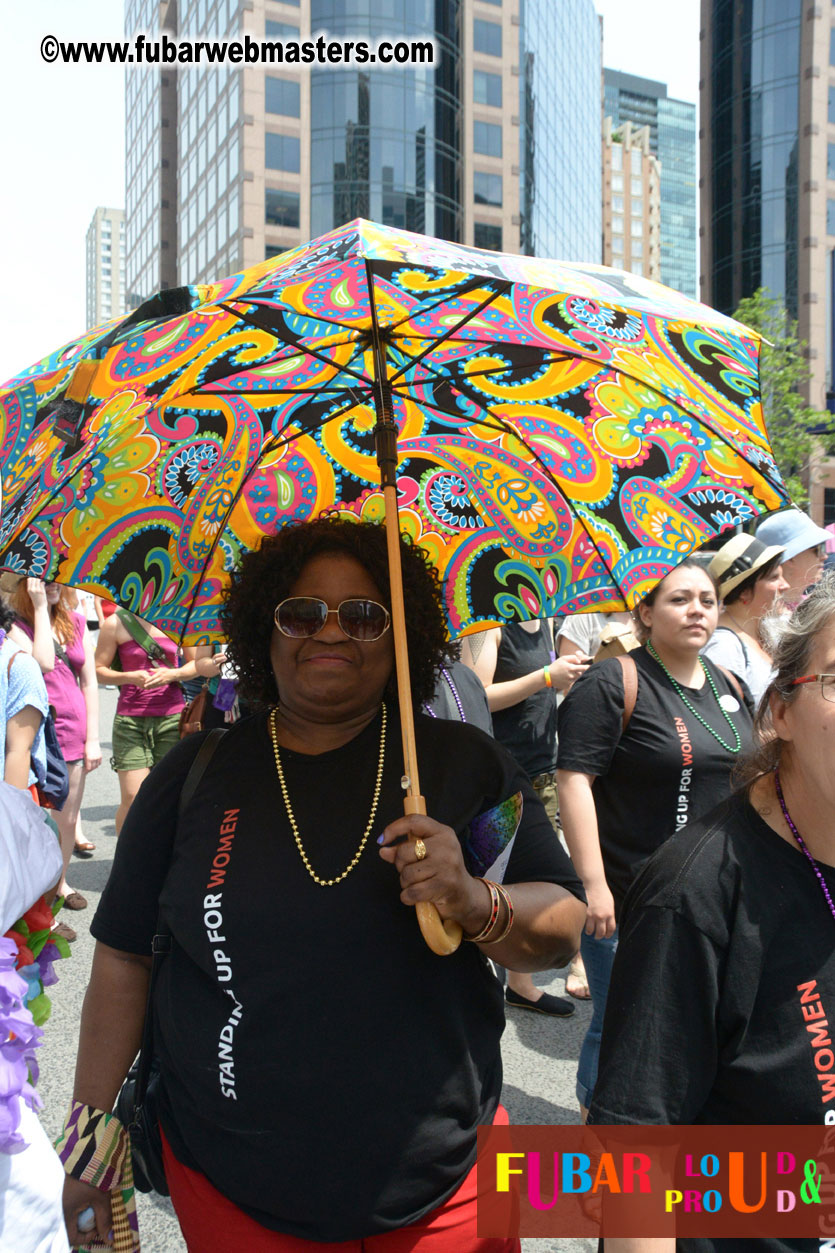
{"x": 630, "y": 686}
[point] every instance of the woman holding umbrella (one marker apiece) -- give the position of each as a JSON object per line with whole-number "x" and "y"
{"x": 290, "y": 1118}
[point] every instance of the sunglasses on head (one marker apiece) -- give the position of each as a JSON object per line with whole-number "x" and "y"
{"x": 302, "y": 617}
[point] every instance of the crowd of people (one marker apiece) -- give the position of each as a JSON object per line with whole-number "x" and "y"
{"x": 558, "y": 760}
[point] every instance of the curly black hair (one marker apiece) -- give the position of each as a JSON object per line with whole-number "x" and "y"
{"x": 266, "y": 576}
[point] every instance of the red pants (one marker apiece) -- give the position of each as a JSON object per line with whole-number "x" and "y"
{"x": 212, "y": 1224}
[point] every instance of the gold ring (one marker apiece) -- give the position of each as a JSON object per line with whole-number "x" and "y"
{"x": 420, "y": 849}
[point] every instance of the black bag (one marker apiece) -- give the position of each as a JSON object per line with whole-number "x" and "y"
{"x": 137, "y": 1105}
{"x": 56, "y": 786}
{"x": 137, "y": 1108}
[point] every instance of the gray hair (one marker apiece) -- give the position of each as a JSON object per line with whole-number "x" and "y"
{"x": 792, "y": 654}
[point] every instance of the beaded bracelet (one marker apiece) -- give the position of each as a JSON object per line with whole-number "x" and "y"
{"x": 546, "y": 670}
{"x": 495, "y": 906}
{"x": 506, "y": 898}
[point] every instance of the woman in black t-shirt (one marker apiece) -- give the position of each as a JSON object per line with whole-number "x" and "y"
{"x": 322, "y": 1072}
{"x": 626, "y": 789}
{"x": 522, "y": 676}
{"x": 723, "y": 991}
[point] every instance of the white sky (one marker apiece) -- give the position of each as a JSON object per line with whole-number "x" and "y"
{"x": 62, "y": 146}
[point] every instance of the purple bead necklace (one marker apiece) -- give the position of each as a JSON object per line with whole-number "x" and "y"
{"x": 448, "y": 678}
{"x": 801, "y": 842}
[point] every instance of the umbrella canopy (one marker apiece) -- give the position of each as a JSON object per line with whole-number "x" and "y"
{"x": 566, "y": 434}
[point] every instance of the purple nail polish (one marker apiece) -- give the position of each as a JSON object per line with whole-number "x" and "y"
{"x": 380, "y": 838}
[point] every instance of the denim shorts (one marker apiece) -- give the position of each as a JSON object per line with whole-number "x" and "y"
{"x": 139, "y": 743}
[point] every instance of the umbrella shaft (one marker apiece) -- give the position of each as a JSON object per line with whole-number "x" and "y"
{"x": 413, "y": 802}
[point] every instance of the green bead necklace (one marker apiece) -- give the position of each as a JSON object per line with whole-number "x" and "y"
{"x": 727, "y": 747}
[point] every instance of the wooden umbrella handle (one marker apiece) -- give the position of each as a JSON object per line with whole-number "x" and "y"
{"x": 442, "y": 937}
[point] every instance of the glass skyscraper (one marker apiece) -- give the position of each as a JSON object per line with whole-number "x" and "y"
{"x": 753, "y": 124}
{"x": 560, "y": 191}
{"x": 150, "y": 164}
{"x": 768, "y": 177}
{"x": 383, "y": 144}
{"x": 489, "y": 146}
{"x": 672, "y": 128}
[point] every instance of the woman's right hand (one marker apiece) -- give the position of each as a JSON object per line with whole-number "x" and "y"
{"x": 600, "y": 919}
{"x": 37, "y": 593}
{"x": 78, "y": 1197}
{"x": 567, "y": 669}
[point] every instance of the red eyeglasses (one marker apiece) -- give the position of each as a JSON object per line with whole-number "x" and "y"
{"x": 827, "y": 682}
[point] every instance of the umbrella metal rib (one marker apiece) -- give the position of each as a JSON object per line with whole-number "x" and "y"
{"x": 473, "y": 285}
{"x": 448, "y": 334}
{"x": 273, "y": 444}
{"x": 499, "y": 424}
{"x": 263, "y": 325}
{"x": 267, "y": 304}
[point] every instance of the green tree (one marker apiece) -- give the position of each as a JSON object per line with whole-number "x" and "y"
{"x": 783, "y": 373}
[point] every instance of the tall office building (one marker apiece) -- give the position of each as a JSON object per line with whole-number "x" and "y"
{"x": 768, "y": 175}
{"x": 487, "y": 147}
{"x": 150, "y": 162}
{"x": 631, "y": 201}
{"x": 672, "y": 132}
{"x": 105, "y": 266}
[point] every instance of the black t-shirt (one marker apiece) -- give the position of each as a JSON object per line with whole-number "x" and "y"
{"x": 664, "y": 771}
{"x": 320, "y": 1065}
{"x": 723, "y": 989}
{"x": 528, "y": 730}
{"x": 458, "y": 683}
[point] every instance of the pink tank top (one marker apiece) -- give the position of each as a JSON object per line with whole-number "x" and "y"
{"x": 65, "y": 695}
{"x": 135, "y": 701}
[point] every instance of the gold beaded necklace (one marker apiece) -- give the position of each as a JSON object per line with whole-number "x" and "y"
{"x": 327, "y": 883}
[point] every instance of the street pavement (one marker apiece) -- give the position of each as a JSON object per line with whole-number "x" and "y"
{"x": 540, "y": 1053}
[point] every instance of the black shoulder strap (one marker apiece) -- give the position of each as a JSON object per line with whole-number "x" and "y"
{"x": 60, "y": 652}
{"x": 739, "y": 641}
{"x": 162, "y": 939}
{"x": 202, "y": 758}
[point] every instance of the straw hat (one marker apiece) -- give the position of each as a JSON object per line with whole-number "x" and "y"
{"x": 737, "y": 560}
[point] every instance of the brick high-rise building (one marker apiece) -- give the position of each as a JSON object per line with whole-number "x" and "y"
{"x": 631, "y": 201}
{"x": 672, "y": 138}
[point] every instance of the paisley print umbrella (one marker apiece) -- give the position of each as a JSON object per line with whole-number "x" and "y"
{"x": 566, "y": 434}
{"x": 557, "y": 436}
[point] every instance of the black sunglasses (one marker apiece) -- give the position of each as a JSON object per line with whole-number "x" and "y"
{"x": 302, "y": 617}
